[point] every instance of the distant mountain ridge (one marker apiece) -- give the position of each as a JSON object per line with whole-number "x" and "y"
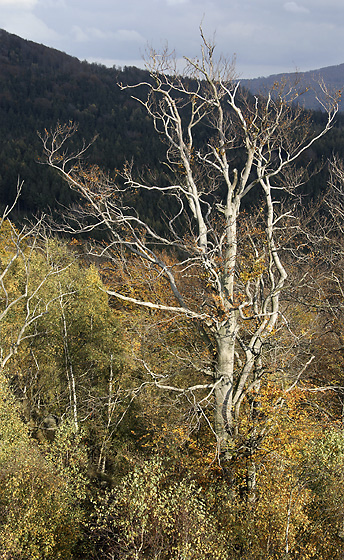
{"x": 332, "y": 76}
{"x": 41, "y": 86}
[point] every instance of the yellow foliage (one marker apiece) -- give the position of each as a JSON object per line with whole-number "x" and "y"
{"x": 39, "y": 520}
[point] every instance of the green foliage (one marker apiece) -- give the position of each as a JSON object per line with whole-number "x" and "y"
{"x": 154, "y": 514}
{"x": 92, "y": 327}
{"x": 76, "y": 335}
{"x": 68, "y": 454}
{"x": 322, "y": 472}
{"x": 40, "y": 513}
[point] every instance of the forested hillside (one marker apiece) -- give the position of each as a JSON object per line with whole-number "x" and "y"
{"x": 307, "y": 83}
{"x": 40, "y": 86}
{"x": 171, "y": 375}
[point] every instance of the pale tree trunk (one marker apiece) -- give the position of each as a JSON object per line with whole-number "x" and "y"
{"x": 225, "y": 339}
{"x": 110, "y": 411}
{"x": 69, "y": 368}
{"x": 226, "y": 332}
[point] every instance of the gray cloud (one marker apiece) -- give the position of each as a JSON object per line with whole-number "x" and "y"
{"x": 268, "y": 36}
{"x": 19, "y": 4}
{"x": 295, "y": 8}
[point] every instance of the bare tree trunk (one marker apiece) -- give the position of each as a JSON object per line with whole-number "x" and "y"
{"x": 69, "y": 368}
{"x": 110, "y": 411}
{"x": 225, "y": 339}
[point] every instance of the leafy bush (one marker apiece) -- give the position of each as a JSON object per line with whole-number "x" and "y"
{"x": 39, "y": 513}
{"x": 153, "y": 516}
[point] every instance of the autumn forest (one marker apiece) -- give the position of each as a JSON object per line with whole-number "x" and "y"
{"x": 171, "y": 312}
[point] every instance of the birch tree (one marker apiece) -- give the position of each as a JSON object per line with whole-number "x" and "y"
{"x": 22, "y": 302}
{"x": 224, "y": 148}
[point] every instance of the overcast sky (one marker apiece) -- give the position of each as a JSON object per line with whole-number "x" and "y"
{"x": 267, "y": 36}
